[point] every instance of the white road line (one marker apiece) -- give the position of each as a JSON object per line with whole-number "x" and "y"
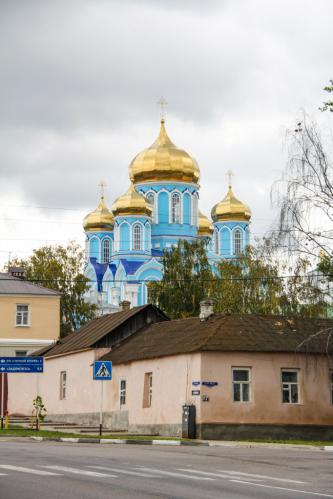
{"x": 265, "y": 477}
{"x": 170, "y": 473}
{"x": 320, "y": 494}
{"x": 3, "y": 474}
{"x": 77, "y": 471}
{"x": 217, "y": 475}
{"x": 126, "y": 472}
{"x": 27, "y": 470}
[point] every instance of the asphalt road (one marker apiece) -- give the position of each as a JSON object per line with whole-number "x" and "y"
{"x": 30, "y": 470}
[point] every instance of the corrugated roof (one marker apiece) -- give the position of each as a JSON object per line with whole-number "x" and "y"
{"x": 10, "y": 285}
{"x": 92, "y": 332}
{"x": 250, "y": 333}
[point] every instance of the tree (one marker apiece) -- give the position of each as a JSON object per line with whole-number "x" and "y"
{"x": 60, "y": 268}
{"x": 328, "y": 104}
{"x": 187, "y": 275}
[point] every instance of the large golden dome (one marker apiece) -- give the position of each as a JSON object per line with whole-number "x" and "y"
{"x": 205, "y": 226}
{"x": 230, "y": 208}
{"x": 163, "y": 161}
{"x": 100, "y": 219}
{"x": 131, "y": 203}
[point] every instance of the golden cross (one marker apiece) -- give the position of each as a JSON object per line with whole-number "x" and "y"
{"x": 102, "y": 185}
{"x": 162, "y": 103}
{"x": 229, "y": 174}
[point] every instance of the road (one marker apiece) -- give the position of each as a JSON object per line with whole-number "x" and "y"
{"x": 51, "y": 470}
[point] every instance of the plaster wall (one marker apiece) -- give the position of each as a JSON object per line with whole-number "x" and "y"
{"x": 266, "y": 406}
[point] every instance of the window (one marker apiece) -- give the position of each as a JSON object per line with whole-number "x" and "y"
{"x": 22, "y": 315}
{"x": 216, "y": 242}
{"x": 63, "y": 385}
{"x": 137, "y": 237}
{"x": 175, "y": 208}
{"x": 148, "y": 390}
{"x": 122, "y": 392}
{"x": 151, "y": 200}
{"x": 289, "y": 382}
{"x": 331, "y": 385}
{"x": 106, "y": 251}
{"x": 241, "y": 381}
{"x": 238, "y": 240}
{"x": 21, "y": 353}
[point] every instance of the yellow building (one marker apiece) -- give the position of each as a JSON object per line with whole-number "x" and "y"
{"x": 29, "y": 316}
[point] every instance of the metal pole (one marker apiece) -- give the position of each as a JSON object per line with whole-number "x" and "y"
{"x": 2, "y": 397}
{"x": 101, "y": 411}
{"x": 37, "y": 393}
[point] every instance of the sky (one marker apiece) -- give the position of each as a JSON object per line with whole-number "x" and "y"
{"x": 80, "y": 81}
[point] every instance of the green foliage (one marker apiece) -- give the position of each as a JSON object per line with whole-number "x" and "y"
{"x": 40, "y": 408}
{"x": 187, "y": 276}
{"x": 328, "y": 105}
{"x": 61, "y": 268}
{"x": 252, "y": 284}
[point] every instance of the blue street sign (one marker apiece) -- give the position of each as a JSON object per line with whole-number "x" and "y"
{"x": 102, "y": 369}
{"x": 21, "y": 364}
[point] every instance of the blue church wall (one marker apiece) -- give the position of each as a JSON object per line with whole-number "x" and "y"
{"x": 187, "y": 218}
{"x": 226, "y": 233}
{"x": 124, "y": 236}
{"x": 163, "y": 208}
{"x": 95, "y": 245}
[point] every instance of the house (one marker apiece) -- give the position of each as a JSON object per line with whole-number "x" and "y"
{"x": 246, "y": 375}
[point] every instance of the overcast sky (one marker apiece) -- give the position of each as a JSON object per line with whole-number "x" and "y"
{"x": 80, "y": 80}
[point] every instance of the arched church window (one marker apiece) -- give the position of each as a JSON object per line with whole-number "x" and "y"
{"x": 106, "y": 251}
{"x": 216, "y": 242}
{"x": 137, "y": 237}
{"x": 175, "y": 208}
{"x": 151, "y": 200}
{"x": 238, "y": 240}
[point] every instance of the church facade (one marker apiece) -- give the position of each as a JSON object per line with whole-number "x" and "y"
{"x": 125, "y": 245}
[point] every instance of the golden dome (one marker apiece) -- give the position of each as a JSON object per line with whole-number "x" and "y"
{"x": 163, "y": 161}
{"x": 131, "y": 203}
{"x": 230, "y": 208}
{"x": 205, "y": 226}
{"x": 100, "y": 219}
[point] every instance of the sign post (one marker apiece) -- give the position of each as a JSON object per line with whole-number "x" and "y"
{"x": 102, "y": 372}
{"x": 23, "y": 365}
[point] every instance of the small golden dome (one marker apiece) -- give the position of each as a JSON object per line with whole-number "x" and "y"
{"x": 131, "y": 203}
{"x": 163, "y": 161}
{"x": 230, "y": 208}
{"x": 99, "y": 220}
{"x": 205, "y": 226}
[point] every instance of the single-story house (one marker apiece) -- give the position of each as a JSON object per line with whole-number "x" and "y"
{"x": 246, "y": 375}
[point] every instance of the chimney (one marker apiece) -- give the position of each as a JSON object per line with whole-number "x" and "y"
{"x": 125, "y": 305}
{"x": 206, "y": 309}
{"x": 17, "y": 272}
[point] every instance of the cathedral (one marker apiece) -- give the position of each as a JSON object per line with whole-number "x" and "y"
{"x": 125, "y": 245}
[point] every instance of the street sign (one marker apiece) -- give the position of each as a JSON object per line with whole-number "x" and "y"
{"x": 21, "y": 365}
{"x": 102, "y": 369}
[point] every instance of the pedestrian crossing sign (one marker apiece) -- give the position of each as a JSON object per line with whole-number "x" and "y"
{"x": 102, "y": 369}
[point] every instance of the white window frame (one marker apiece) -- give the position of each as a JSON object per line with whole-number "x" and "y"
{"x": 238, "y": 242}
{"x": 122, "y": 391}
{"x": 63, "y": 385}
{"x": 137, "y": 247}
{"x": 22, "y": 317}
{"x": 176, "y": 211}
{"x": 241, "y": 384}
{"x": 106, "y": 255}
{"x": 286, "y": 386}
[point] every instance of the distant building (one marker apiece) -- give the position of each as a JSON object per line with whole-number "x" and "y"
{"x": 124, "y": 246}
{"x": 246, "y": 375}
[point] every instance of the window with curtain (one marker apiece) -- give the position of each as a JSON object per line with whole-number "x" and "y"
{"x": 238, "y": 240}
{"x": 137, "y": 237}
{"x": 106, "y": 251}
{"x": 175, "y": 208}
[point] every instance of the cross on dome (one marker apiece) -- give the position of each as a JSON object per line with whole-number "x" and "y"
{"x": 230, "y": 174}
{"x": 102, "y": 185}
{"x": 162, "y": 103}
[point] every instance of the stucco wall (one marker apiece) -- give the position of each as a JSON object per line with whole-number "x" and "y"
{"x": 44, "y": 317}
{"x": 265, "y": 406}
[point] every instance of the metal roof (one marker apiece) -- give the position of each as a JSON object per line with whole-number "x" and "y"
{"x": 10, "y": 285}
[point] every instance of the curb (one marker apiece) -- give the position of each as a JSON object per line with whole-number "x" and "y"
{"x": 110, "y": 441}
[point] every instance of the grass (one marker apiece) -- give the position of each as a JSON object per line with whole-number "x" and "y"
{"x": 317, "y": 443}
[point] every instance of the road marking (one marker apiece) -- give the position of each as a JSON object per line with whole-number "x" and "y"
{"x": 27, "y": 470}
{"x": 77, "y": 471}
{"x": 320, "y": 494}
{"x": 170, "y": 473}
{"x": 126, "y": 472}
{"x": 267, "y": 477}
{"x": 218, "y": 475}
